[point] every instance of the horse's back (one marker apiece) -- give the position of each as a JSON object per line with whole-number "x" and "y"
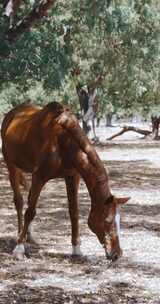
{"x": 30, "y": 134}
{"x": 22, "y": 111}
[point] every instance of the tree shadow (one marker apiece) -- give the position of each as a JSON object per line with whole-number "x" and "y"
{"x": 137, "y": 174}
{"x": 83, "y": 259}
{"x": 134, "y": 266}
{"x": 142, "y": 217}
{"x": 7, "y": 244}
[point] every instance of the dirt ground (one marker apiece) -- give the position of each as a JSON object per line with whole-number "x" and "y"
{"x": 49, "y": 274}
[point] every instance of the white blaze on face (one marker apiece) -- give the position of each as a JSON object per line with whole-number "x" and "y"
{"x": 109, "y": 219}
{"x": 117, "y": 221}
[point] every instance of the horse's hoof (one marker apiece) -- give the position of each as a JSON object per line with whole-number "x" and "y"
{"x": 76, "y": 251}
{"x": 19, "y": 252}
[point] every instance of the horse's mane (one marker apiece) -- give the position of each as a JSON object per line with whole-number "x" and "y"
{"x": 69, "y": 122}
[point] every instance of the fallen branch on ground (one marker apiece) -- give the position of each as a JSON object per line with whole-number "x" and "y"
{"x": 130, "y": 128}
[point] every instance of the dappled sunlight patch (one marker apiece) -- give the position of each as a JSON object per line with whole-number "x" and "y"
{"x": 73, "y": 284}
{"x": 92, "y": 272}
{"x": 141, "y": 246}
{"x": 139, "y": 197}
{"x": 50, "y": 272}
{"x": 3, "y": 287}
{"x": 150, "y": 155}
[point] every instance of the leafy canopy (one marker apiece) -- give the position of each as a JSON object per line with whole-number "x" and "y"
{"x": 120, "y": 39}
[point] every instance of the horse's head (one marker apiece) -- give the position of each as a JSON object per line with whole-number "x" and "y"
{"x": 104, "y": 221}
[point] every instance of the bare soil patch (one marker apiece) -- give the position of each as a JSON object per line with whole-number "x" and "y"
{"x": 49, "y": 274}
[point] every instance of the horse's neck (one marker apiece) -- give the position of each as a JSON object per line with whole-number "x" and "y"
{"x": 84, "y": 158}
{"x": 94, "y": 176}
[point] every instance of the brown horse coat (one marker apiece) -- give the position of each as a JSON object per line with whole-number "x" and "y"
{"x": 49, "y": 143}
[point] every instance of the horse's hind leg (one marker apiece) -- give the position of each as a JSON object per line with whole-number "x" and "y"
{"x": 36, "y": 186}
{"x": 17, "y": 179}
{"x": 72, "y": 184}
{"x": 14, "y": 177}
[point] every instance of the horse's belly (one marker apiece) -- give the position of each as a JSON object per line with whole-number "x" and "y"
{"x": 20, "y": 156}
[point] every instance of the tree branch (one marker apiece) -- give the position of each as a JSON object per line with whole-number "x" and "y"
{"x": 11, "y": 8}
{"x": 130, "y": 128}
{"x": 29, "y": 21}
{"x": 97, "y": 81}
{"x": 16, "y": 5}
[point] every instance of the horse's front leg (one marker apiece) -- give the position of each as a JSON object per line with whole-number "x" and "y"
{"x": 30, "y": 238}
{"x": 72, "y": 184}
{"x": 14, "y": 176}
{"x": 30, "y": 213}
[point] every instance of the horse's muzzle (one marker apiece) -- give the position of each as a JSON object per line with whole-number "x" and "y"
{"x": 112, "y": 254}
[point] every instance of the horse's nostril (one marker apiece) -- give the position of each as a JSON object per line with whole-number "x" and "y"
{"x": 115, "y": 257}
{"x": 108, "y": 256}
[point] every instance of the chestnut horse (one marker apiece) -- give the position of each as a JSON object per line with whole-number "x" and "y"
{"x": 49, "y": 143}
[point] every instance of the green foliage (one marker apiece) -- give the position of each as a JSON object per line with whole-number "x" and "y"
{"x": 119, "y": 38}
{"x": 39, "y": 55}
{"x": 123, "y": 40}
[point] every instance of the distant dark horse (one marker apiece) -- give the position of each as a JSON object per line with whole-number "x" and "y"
{"x": 48, "y": 142}
{"x": 155, "y": 125}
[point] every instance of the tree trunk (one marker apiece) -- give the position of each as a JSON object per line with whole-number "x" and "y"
{"x": 85, "y": 127}
{"x": 87, "y": 95}
{"x": 109, "y": 120}
{"x": 98, "y": 121}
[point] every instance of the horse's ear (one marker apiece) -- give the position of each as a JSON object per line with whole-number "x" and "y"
{"x": 110, "y": 199}
{"x": 55, "y": 107}
{"x": 122, "y": 200}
